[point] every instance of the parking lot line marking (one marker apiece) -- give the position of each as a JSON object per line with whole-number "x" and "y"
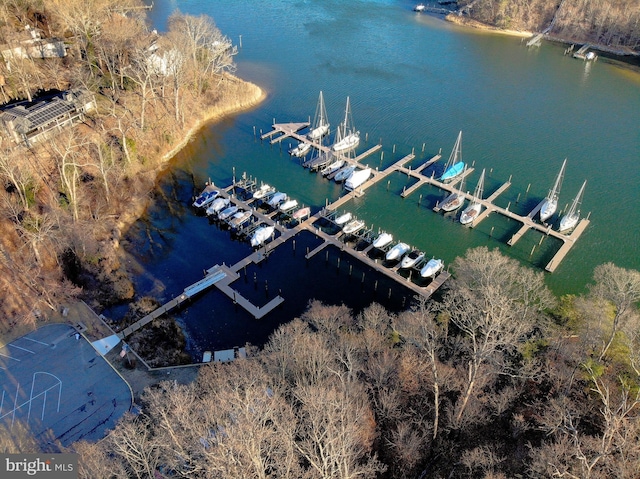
{"x": 36, "y": 341}
{"x": 7, "y": 356}
{"x": 24, "y": 349}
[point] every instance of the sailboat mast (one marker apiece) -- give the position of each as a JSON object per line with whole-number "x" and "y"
{"x": 577, "y": 200}
{"x": 555, "y": 192}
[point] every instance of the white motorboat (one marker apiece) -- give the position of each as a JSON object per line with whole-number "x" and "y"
{"x": 382, "y": 240}
{"x": 331, "y": 168}
{"x": 288, "y": 205}
{"x": 277, "y": 198}
{"x": 353, "y": 226}
{"x": 412, "y": 259}
{"x": 206, "y": 197}
{"x": 228, "y": 212}
{"x": 300, "y": 150}
{"x": 419, "y": 8}
{"x": 263, "y": 191}
{"x": 357, "y": 178}
{"x": 239, "y": 218}
{"x": 344, "y": 173}
{"x": 320, "y": 121}
{"x": 347, "y": 137}
{"x": 471, "y": 212}
{"x": 343, "y": 219}
{"x": 218, "y": 205}
{"x": 550, "y": 203}
{"x": 302, "y": 213}
{"x": 570, "y": 219}
{"x": 432, "y": 268}
{"x": 454, "y": 166}
{"x": 262, "y": 234}
{"x": 397, "y": 252}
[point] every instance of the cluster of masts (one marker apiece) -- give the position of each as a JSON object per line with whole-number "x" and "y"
{"x": 455, "y": 167}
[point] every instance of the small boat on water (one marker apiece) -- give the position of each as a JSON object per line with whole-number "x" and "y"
{"x": 570, "y": 219}
{"x": 331, "y": 168}
{"x": 382, "y": 240}
{"x": 347, "y": 137}
{"x": 357, "y": 178}
{"x": 277, "y": 198}
{"x": 262, "y": 234}
{"x": 320, "y": 121}
{"x": 343, "y": 219}
{"x": 471, "y": 212}
{"x": 206, "y": 197}
{"x": 239, "y": 218}
{"x": 397, "y": 252}
{"x": 419, "y": 8}
{"x": 218, "y": 205}
{"x": 288, "y": 205}
{"x": 263, "y": 191}
{"x": 344, "y": 173}
{"x": 550, "y": 203}
{"x": 432, "y": 268}
{"x": 455, "y": 165}
{"x": 456, "y": 199}
{"x": 302, "y": 213}
{"x": 300, "y": 150}
{"x": 412, "y": 259}
{"x": 228, "y": 212}
{"x": 353, "y": 226}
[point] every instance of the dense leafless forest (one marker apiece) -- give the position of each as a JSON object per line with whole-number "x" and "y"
{"x": 498, "y": 380}
{"x": 609, "y": 23}
{"x": 67, "y": 197}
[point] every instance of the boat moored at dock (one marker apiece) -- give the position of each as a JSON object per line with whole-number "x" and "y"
{"x": 397, "y": 252}
{"x": 218, "y": 205}
{"x": 353, "y": 226}
{"x": 471, "y": 212}
{"x": 357, "y": 178}
{"x": 455, "y": 165}
{"x": 343, "y": 218}
{"x": 412, "y": 259}
{"x": 382, "y": 240}
{"x": 570, "y": 219}
{"x": 288, "y": 205}
{"x": 262, "y": 234}
{"x": 432, "y": 268}
{"x": 205, "y": 198}
{"x": 300, "y": 150}
{"x": 276, "y": 199}
{"x": 550, "y": 203}
{"x": 227, "y": 212}
{"x": 264, "y": 190}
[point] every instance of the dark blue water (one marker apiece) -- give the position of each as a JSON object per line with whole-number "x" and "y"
{"x": 414, "y": 82}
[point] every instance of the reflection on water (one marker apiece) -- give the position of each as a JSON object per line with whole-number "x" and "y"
{"x": 414, "y": 82}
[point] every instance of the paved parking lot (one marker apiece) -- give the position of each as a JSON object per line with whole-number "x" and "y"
{"x": 52, "y": 379}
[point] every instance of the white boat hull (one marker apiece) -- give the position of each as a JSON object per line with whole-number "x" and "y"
{"x": 432, "y": 267}
{"x": 288, "y": 205}
{"x": 263, "y": 191}
{"x": 567, "y": 223}
{"x": 318, "y": 132}
{"x": 470, "y": 214}
{"x": 228, "y": 212}
{"x": 382, "y": 240}
{"x": 353, "y": 227}
{"x": 357, "y": 178}
{"x": 452, "y": 202}
{"x": 218, "y": 205}
{"x": 261, "y": 235}
{"x": 397, "y": 252}
{"x": 343, "y": 219}
{"x": 300, "y": 150}
{"x": 412, "y": 259}
{"x": 348, "y": 142}
{"x": 547, "y": 209}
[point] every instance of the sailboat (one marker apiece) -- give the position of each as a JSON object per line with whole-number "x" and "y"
{"x": 454, "y": 165}
{"x": 320, "y": 121}
{"x": 471, "y": 212}
{"x": 347, "y": 137}
{"x": 570, "y": 219}
{"x": 456, "y": 198}
{"x": 550, "y": 203}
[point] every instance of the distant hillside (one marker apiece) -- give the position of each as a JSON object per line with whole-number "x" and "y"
{"x": 614, "y": 25}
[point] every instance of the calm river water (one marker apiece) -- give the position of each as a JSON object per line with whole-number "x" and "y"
{"x": 413, "y": 80}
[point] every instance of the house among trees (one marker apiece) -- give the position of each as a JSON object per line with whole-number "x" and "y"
{"x": 34, "y": 47}
{"x": 30, "y": 122}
